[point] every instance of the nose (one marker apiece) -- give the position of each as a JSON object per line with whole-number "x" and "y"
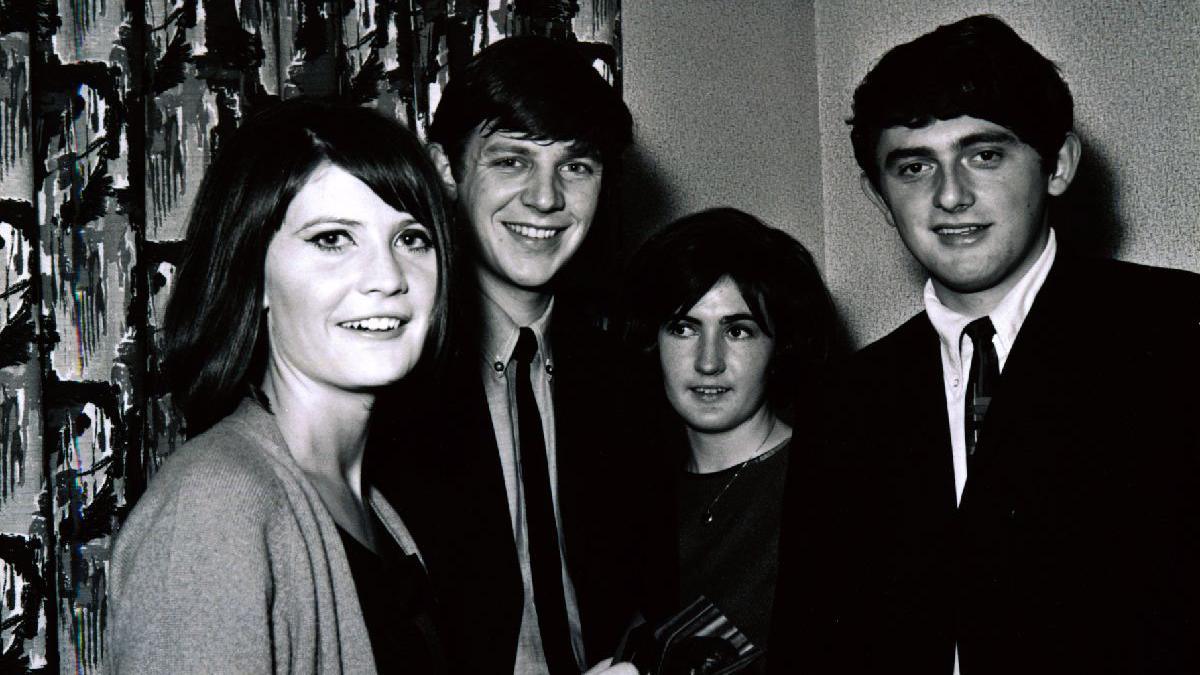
{"x": 543, "y": 190}
{"x": 710, "y": 359}
{"x": 954, "y": 191}
{"x": 383, "y": 272}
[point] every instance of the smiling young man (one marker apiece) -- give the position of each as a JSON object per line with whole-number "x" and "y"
{"x": 510, "y": 503}
{"x": 1008, "y": 482}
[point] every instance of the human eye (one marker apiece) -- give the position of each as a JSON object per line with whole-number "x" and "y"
{"x": 912, "y": 170}
{"x": 331, "y": 240}
{"x": 679, "y": 329}
{"x": 988, "y": 157}
{"x": 416, "y": 239}
{"x": 508, "y": 162}
{"x": 581, "y": 168}
{"x": 742, "y": 331}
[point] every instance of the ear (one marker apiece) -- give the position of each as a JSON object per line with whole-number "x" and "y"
{"x": 1065, "y": 165}
{"x": 441, "y": 162}
{"x": 876, "y": 198}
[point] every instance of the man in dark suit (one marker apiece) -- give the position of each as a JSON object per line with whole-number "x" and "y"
{"x": 1009, "y": 481}
{"x": 510, "y": 500}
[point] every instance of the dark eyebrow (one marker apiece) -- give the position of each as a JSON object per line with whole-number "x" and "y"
{"x": 899, "y": 154}
{"x": 504, "y": 148}
{"x": 351, "y": 222}
{"x": 725, "y": 320}
{"x": 734, "y": 318}
{"x": 983, "y": 137}
{"x": 328, "y": 220}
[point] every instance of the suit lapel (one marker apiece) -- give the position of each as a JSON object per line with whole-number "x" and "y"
{"x": 921, "y": 391}
{"x": 1036, "y": 375}
{"x": 571, "y": 409}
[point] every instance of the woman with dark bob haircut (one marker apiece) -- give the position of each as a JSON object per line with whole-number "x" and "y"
{"x": 731, "y": 320}
{"x": 315, "y": 276}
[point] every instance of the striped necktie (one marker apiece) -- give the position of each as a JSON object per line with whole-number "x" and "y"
{"x": 981, "y": 384}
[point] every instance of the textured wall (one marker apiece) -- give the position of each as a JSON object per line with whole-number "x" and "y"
{"x": 1133, "y": 68}
{"x": 723, "y": 95}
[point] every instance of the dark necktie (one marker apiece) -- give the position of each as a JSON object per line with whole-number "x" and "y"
{"x": 981, "y": 384}
{"x": 544, "y": 559}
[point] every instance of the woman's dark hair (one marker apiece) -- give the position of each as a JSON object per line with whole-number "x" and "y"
{"x": 775, "y": 274}
{"x": 214, "y": 338}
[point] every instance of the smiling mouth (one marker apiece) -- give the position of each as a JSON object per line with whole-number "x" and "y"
{"x": 374, "y": 324}
{"x": 960, "y": 230}
{"x": 709, "y": 393}
{"x": 531, "y": 232}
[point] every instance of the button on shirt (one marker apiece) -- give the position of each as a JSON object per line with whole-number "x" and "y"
{"x": 500, "y": 335}
{"x": 957, "y": 351}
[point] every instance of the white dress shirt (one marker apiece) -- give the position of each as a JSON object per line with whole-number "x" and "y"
{"x": 500, "y": 335}
{"x": 957, "y": 351}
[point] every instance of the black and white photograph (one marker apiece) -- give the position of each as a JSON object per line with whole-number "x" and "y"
{"x": 600, "y": 337}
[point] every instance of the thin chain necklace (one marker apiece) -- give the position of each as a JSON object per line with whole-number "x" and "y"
{"x": 707, "y": 518}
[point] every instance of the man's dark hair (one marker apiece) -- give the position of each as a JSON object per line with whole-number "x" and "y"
{"x": 541, "y": 88}
{"x": 775, "y": 274}
{"x": 977, "y": 67}
{"x": 214, "y": 332}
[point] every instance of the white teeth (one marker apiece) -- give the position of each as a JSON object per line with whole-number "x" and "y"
{"x": 375, "y": 323}
{"x": 959, "y": 230}
{"x": 709, "y": 391}
{"x": 532, "y": 232}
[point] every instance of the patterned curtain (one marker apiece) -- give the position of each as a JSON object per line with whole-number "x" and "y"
{"x": 109, "y": 114}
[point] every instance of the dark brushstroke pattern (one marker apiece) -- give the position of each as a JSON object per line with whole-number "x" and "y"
{"x": 21, "y": 553}
{"x": 59, "y": 102}
{"x": 82, "y": 518}
{"x": 315, "y": 70}
{"x": 15, "y": 123}
{"x": 12, "y": 446}
{"x": 80, "y": 119}
{"x": 17, "y": 337}
{"x": 20, "y": 215}
{"x": 16, "y": 16}
{"x": 93, "y": 519}
{"x": 129, "y": 366}
{"x": 88, "y": 203}
{"x": 168, "y": 70}
{"x": 550, "y": 18}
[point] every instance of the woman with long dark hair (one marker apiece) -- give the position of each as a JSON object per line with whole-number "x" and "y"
{"x": 315, "y": 277}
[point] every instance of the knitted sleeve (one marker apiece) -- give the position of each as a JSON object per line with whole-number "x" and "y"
{"x": 191, "y": 581}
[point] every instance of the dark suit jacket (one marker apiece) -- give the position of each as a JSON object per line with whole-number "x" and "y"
{"x": 1075, "y": 547}
{"x": 445, "y": 480}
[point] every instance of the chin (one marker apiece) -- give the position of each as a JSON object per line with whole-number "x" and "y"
{"x": 707, "y": 424}
{"x": 969, "y": 283}
{"x": 532, "y": 279}
{"x": 366, "y": 377}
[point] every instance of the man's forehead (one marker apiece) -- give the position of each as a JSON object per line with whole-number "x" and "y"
{"x": 495, "y": 140}
{"x": 954, "y": 133}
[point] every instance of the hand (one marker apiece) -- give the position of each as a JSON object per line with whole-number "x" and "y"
{"x": 606, "y": 667}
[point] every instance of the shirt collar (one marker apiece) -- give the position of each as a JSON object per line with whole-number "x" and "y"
{"x": 500, "y": 334}
{"x": 1007, "y": 316}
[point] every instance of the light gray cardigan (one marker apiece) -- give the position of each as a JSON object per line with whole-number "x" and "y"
{"x": 231, "y": 563}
